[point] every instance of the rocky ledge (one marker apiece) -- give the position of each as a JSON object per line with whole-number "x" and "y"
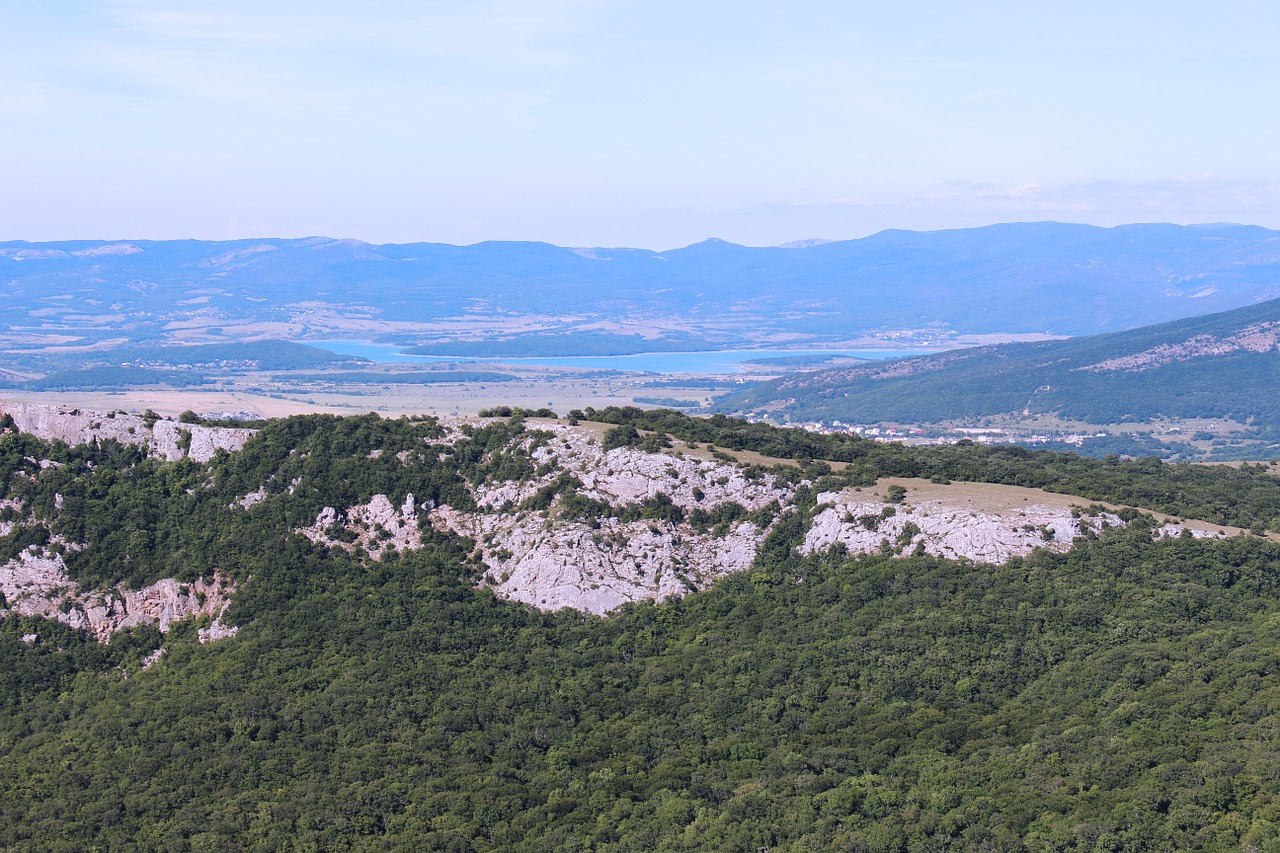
{"x": 580, "y": 527}
{"x": 546, "y": 555}
{"x": 164, "y": 439}
{"x": 35, "y": 583}
{"x": 955, "y": 527}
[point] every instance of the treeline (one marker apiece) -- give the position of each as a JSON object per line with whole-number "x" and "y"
{"x": 114, "y": 378}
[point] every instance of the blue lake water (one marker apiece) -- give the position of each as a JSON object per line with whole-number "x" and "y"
{"x": 719, "y": 361}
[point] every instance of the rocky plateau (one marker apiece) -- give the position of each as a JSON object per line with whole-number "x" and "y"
{"x": 164, "y": 439}
{"x": 643, "y": 534}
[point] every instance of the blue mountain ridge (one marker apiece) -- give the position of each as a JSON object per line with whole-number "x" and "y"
{"x": 1042, "y": 277}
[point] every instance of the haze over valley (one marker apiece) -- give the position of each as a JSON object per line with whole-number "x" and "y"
{"x": 496, "y": 299}
{"x": 274, "y": 326}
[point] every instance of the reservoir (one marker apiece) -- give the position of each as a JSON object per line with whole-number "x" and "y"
{"x": 717, "y": 361}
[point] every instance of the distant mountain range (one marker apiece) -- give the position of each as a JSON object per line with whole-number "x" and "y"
{"x": 1224, "y": 365}
{"x": 1044, "y": 277}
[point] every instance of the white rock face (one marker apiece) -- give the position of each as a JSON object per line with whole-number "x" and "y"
{"x": 555, "y": 564}
{"x": 377, "y": 525}
{"x": 253, "y": 498}
{"x": 1171, "y": 530}
{"x": 163, "y": 440}
{"x": 205, "y": 441}
{"x": 35, "y": 583}
{"x": 7, "y": 527}
{"x": 625, "y": 475}
{"x": 550, "y": 561}
{"x": 542, "y": 554}
{"x": 216, "y": 631}
{"x": 953, "y": 528}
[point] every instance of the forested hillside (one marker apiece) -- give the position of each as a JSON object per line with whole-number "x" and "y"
{"x": 1217, "y": 366}
{"x": 1117, "y": 695}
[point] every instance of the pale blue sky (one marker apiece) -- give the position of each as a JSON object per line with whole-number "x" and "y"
{"x": 612, "y": 122}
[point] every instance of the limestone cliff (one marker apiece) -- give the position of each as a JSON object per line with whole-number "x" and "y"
{"x": 164, "y": 439}
{"x": 956, "y": 527}
{"x": 35, "y": 583}
{"x": 550, "y": 558}
{"x": 567, "y": 524}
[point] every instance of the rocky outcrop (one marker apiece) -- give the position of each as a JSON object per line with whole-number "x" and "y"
{"x": 550, "y": 560}
{"x": 941, "y": 529}
{"x": 253, "y": 498}
{"x": 216, "y": 631}
{"x": 375, "y": 526}
{"x": 172, "y": 440}
{"x": 652, "y": 525}
{"x": 1260, "y": 337}
{"x": 163, "y": 438}
{"x": 538, "y": 551}
{"x": 598, "y": 567}
{"x": 35, "y": 583}
{"x": 955, "y": 528}
{"x": 625, "y": 475}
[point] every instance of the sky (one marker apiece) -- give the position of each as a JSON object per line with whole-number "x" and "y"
{"x": 616, "y": 123}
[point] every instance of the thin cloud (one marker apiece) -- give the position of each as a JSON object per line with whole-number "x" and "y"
{"x": 507, "y": 32}
{"x": 460, "y": 59}
{"x": 1176, "y": 199}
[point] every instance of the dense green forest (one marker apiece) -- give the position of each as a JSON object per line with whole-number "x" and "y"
{"x": 113, "y": 379}
{"x": 1121, "y": 696}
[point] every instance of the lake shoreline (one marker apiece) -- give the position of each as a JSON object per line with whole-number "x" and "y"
{"x": 697, "y": 362}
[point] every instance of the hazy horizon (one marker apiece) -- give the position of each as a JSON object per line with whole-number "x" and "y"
{"x": 798, "y": 243}
{"x": 615, "y": 123}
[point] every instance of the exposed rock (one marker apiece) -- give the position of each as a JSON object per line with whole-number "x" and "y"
{"x": 216, "y": 631}
{"x": 203, "y": 442}
{"x": 542, "y": 553}
{"x": 1173, "y": 530}
{"x": 1260, "y": 337}
{"x": 376, "y": 526}
{"x": 15, "y": 507}
{"x": 35, "y": 583}
{"x": 570, "y": 564}
{"x": 551, "y": 561}
{"x": 955, "y": 529}
{"x": 257, "y": 496}
{"x": 165, "y": 439}
{"x": 625, "y": 475}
